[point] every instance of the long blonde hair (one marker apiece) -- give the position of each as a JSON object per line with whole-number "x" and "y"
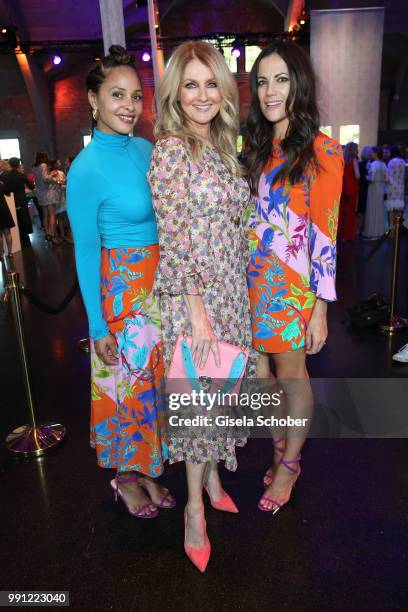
{"x": 171, "y": 121}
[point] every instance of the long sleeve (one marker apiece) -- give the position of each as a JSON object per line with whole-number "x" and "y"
{"x": 186, "y": 264}
{"x": 82, "y": 206}
{"x": 325, "y": 192}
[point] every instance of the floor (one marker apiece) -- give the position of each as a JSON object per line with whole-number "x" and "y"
{"x": 341, "y": 544}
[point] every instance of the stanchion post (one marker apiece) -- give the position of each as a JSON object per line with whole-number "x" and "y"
{"x": 84, "y": 345}
{"x": 34, "y": 439}
{"x": 395, "y": 322}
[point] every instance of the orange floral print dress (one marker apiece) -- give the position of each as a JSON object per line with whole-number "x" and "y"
{"x": 292, "y": 235}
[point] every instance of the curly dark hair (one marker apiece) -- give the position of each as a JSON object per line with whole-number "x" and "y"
{"x": 303, "y": 114}
{"x": 118, "y": 56}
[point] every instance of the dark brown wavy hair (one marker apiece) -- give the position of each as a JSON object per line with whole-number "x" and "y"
{"x": 303, "y": 114}
{"x": 118, "y": 56}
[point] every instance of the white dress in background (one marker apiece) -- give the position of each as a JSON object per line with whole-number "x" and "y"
{"x": 396, "y": 185}
{"x": 374, "y": 225}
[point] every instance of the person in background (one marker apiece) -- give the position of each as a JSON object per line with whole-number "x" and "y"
{"x": 56, "y": 194}
{"x": 366, "y": 157}
{"x": 43, "y": 182}
{"x": 63, "y": 219}
{"x": 386, "y": 154}
{"x": 6, "y": 223}
{"x": 374, "y": 224}
{"x": 395, "y": 202}
{"x": 16, "y": 182}
{"x": 351, "y": 184}
{"x": 4, "y": 168}
{"x": 68, "y": 163}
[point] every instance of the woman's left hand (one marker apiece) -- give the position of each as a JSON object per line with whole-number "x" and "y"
{"x": 316, "y": 333}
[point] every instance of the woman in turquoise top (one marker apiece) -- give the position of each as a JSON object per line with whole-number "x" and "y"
{"x": 114, "y": 229}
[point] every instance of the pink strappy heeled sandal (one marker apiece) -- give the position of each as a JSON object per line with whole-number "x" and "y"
{"x": 161, "y": 504}
{"x": 276, "y": 503}
{"x": 118, "y": 493}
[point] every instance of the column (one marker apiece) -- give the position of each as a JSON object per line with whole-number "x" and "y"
{"x": 346, "y": 50}
{"x": 113, "y": 23}
{"x": 157, "y": 54}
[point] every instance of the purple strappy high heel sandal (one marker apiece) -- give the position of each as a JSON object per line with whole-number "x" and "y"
{"x": 117, "y": 492}
{"x": 277, "y": 504}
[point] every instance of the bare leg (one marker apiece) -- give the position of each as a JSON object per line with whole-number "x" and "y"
{"x": 391, "y": 220}
{"x": 46, "y": 219}
{"x": 213, "y": 482}
{"x": 263, "y": 372}
{"x": 134, "y": 494}
{"x": 157, "y": 492}
{"x": 195, "y": 528}
{"x": 263, "y": 369}
{"x": 52, "y": 221}
{"x": 293, "y": 378}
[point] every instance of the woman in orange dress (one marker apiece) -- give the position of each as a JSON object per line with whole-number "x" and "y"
{"x": 349, "y": 195}
{"x": 295, "y": 173}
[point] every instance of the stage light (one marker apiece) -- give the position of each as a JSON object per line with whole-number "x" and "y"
{"x": 56, "y": 59}
{"x": 146, "y": 57}
{"x": 8, "y": 37}
{"x": 236, "y": 52}
{"x": 303, "y": 17}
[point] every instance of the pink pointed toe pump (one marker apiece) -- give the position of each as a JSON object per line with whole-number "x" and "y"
{"x": 198, "y": 556}
{"x": 225, "y": 504}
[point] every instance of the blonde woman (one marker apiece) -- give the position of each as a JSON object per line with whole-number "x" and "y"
{"x": 199, "y": 197}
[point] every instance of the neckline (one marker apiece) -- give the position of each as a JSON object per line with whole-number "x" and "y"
{"x": 110, "y": 140}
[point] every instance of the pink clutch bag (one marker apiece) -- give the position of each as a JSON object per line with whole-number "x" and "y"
{"x": 227, "y": 378}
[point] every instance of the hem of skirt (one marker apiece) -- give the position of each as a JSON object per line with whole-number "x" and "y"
{"x": 273, "y": 352}
{"x": 394, "y": 205}
{"x": 230, "y": 464}
{"x": 105, "y": 466}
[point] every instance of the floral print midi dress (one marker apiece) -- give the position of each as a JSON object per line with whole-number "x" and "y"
{"x": 292, "y": 234}
{"x": 200, "y": 209}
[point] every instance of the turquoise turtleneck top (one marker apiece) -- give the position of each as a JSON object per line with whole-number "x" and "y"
{"x": 109, "y": 205}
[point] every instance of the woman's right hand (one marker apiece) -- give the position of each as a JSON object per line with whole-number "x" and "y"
{"x": 203, "y": 340}
{"x": 107, "y": 350}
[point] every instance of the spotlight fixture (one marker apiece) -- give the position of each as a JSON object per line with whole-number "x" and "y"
{"x": 236, "y": 52}
{"x": 56, "y": 59}
{"x": 303, "y": 17}
{"x": 8, "y": 37}
{"x": 146, "y": 57}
